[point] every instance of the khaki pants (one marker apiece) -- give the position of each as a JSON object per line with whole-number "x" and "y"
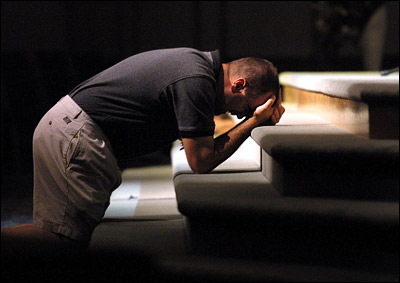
{"x": 75, "y": 172}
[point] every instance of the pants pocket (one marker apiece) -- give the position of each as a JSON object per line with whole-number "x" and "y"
{"x": 74, "y": 144}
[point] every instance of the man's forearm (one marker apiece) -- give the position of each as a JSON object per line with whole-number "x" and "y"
{"x": 226, "y": 144}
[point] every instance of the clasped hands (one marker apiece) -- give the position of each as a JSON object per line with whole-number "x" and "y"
{"x": 271, "y": 111}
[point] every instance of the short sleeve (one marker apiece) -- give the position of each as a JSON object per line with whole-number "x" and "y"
{"x": 194, "y": 103}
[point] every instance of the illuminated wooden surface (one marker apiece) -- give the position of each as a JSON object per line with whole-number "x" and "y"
{"x": 223, "y": 123}
{"x": 377, "y": 121}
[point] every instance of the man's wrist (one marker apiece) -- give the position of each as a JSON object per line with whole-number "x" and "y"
{"x": 256, "y": 121}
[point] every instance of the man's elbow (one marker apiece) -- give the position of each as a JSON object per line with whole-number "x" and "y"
{"x": 200, "y": 170}
{"x": 200, "y": 167}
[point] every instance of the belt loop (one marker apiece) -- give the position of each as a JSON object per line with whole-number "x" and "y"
{"x": 75, "y": 109}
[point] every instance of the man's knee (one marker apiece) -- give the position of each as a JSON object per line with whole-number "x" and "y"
{"x": 27, "y": 240}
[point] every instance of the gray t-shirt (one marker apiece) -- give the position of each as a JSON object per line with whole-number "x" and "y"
{"x": 149, "y": 100}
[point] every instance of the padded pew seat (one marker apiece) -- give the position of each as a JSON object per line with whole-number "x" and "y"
{"x": 327, "y": 161}
{"x": 238, "y": 176}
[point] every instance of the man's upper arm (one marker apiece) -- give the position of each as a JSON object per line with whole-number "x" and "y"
{"x": 194, "y": 107}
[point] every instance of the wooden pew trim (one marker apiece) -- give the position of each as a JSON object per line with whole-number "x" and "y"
{"x": 376, "y": 121}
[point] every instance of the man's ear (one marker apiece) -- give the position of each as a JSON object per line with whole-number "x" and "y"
{"x": 238, "y": 85}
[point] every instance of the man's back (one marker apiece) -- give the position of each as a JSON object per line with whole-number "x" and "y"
{"x": 135, "y": 101}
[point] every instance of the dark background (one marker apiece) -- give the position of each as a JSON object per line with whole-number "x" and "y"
{"x": 47, "y": 48}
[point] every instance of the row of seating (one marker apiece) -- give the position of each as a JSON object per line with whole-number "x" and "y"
{"x": 305, "y": 191}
